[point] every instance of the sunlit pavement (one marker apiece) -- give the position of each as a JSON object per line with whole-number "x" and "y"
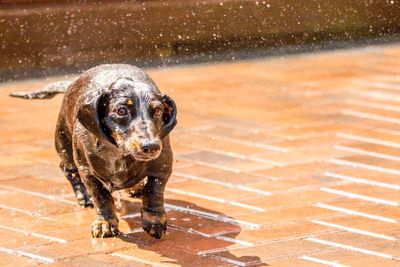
{"x": 289, "y": 161}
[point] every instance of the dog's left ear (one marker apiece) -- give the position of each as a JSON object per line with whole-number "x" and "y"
{"x": 169, "y": 115}
{"x": 89, "y": 115}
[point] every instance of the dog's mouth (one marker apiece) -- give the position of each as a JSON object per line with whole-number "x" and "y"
{"x": 145, "y": 157}
{"x": 139, "y": 156}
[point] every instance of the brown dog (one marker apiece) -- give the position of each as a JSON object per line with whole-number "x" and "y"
{"x": 112, "y": 133}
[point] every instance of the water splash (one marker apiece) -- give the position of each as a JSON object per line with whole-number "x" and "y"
{"x": 119, "y": 194}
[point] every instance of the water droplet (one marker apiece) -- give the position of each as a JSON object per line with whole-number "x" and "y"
{"x": 119, "y": 200}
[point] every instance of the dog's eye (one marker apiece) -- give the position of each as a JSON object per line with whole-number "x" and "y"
{"x": 158, "y": 112}
{"x": 122, "y": 111}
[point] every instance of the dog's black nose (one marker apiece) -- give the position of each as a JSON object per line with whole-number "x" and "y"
{"x": 150, "y": 148}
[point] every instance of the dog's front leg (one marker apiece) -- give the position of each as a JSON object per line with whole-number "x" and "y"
{"x": 154, "y": 218}
{"x": 106, "y": 222}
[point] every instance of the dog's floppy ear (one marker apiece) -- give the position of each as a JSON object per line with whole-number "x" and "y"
{"x": 169, "y": 115}
{"x": 89, "y": 115}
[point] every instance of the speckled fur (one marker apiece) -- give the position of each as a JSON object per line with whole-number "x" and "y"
{"x": 100, "y": 154}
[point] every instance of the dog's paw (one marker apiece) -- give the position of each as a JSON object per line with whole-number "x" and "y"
{"x": 82, "y": 196}
{"x": 104, "y": 229}
{"x": 155, "y": 224}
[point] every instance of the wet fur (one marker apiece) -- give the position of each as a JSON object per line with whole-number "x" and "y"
{"x": 99, "y": 154}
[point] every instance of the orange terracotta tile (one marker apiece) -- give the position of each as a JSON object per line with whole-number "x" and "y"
{"x": 267, "y": 152}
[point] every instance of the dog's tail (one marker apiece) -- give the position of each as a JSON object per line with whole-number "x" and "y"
{"x": 47, "y": 92}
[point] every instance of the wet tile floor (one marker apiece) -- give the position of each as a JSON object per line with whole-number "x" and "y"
{"x": 289, "y": 161}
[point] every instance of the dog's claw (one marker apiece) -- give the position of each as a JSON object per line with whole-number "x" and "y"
{"x": 104, "y": 229}
{"x": 154, "y": 224}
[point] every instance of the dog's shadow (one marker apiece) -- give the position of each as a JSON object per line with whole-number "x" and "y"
{"x": 195, "y": 236}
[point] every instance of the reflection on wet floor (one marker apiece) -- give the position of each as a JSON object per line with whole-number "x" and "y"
{"x": 280, "y": 161}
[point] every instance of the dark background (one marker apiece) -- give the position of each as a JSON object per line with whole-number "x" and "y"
{"x": 45, "y": 37}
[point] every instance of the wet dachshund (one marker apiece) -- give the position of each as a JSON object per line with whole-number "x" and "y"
{"x": 112, "y": 134}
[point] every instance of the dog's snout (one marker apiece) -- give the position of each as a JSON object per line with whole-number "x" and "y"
{"x": 150, "y": 148}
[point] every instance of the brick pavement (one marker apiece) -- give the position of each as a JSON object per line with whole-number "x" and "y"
{"x": 288, "y": 161}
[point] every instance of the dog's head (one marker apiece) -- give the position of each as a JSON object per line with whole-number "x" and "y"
{"x": 132, "y": 115}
